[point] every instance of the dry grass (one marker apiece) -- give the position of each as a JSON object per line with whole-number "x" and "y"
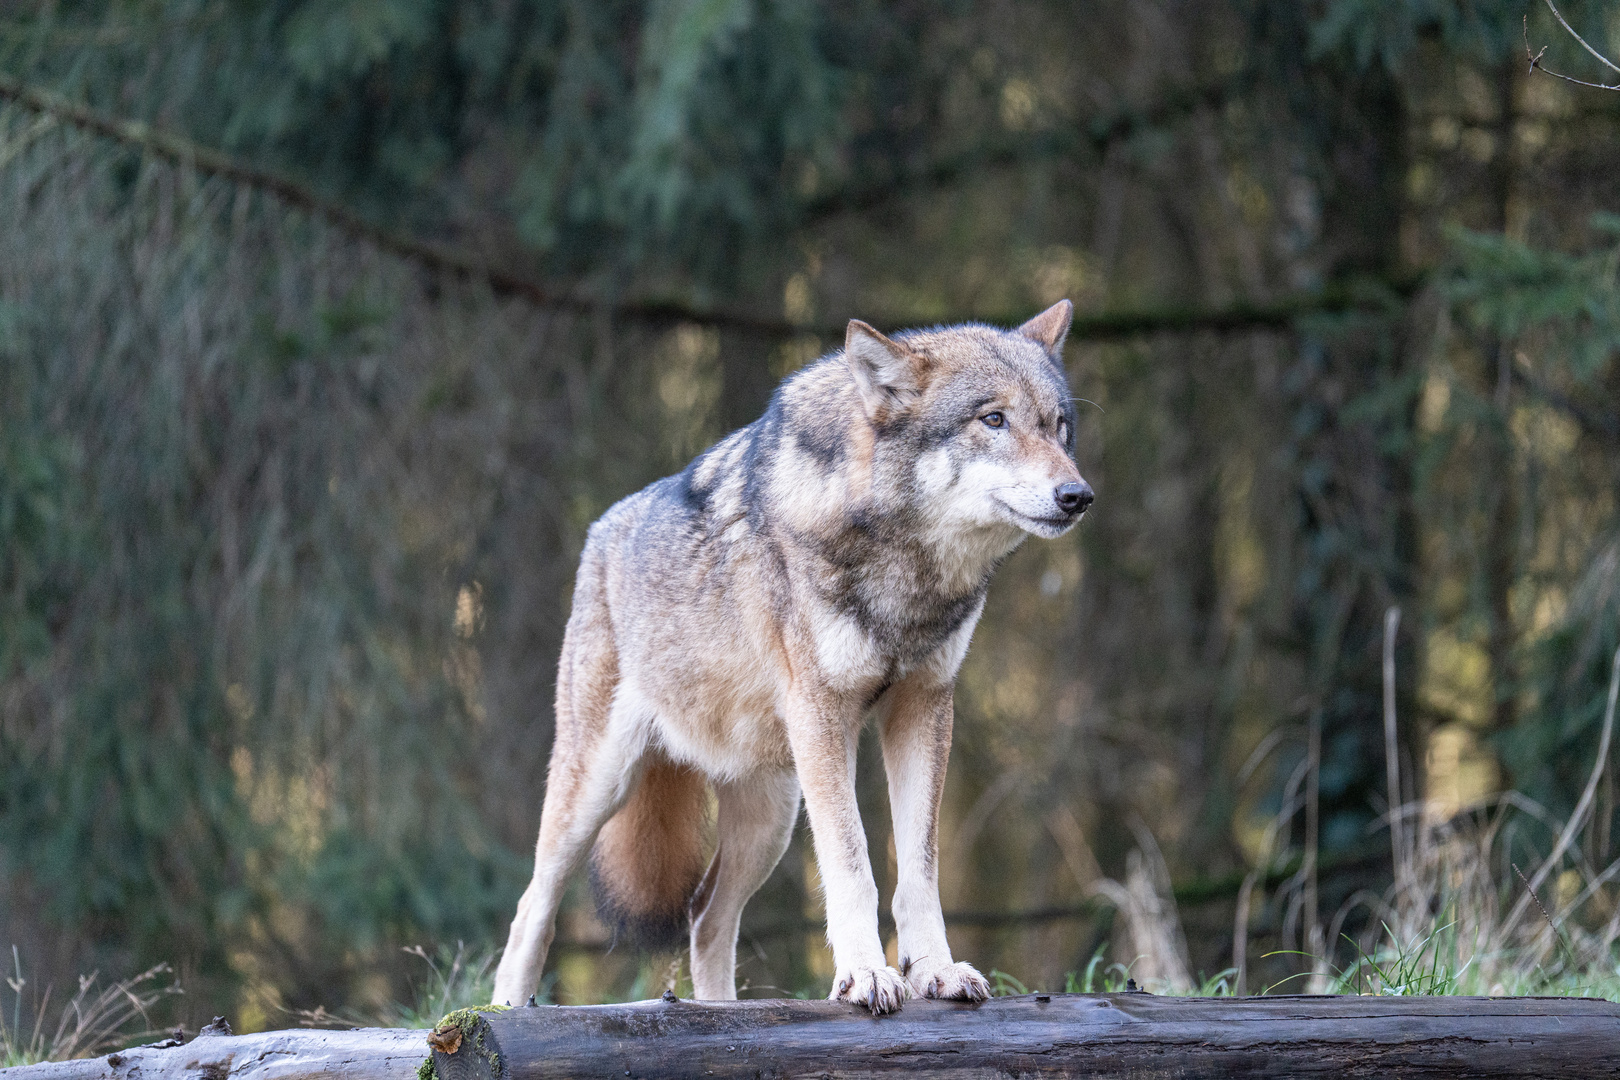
{"x": 1459, "y": 917}
{"x": 455, "y": 979}
{"x": 91, "y": 1022}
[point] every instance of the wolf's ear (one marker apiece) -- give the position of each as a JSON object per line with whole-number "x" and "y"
{"x": 1050, "y": 327}
{"x": 886, "y": 372}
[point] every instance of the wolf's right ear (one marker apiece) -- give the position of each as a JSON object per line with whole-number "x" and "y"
{"x": 1050, "y": 327}
{"x": 887, "y": 374}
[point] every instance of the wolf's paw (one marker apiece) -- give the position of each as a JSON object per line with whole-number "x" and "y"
{"x": 950, "y": 982}
{"x": 879, "y": 989}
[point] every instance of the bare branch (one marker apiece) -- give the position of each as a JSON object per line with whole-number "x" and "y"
{"x": 1537, "y": 65}
{"x": 1565, "y": 24}
{"x": 1592, "y": 421}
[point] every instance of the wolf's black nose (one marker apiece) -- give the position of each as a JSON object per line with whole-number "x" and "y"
{"x": 1074, "y": 498}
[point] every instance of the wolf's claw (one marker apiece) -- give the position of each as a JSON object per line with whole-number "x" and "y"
{"x": 881, "y": 990}
{"x": 950, "y": 982}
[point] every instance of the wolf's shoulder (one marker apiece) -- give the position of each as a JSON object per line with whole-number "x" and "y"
{"x": 714, "y": 484}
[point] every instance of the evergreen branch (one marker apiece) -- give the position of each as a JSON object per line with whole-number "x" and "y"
{"x": 1097, "y": 136}
{"x": 872, "y": 193}
{"x": 435, "y": 257}
{"x": 188, "y": 154}
{"x": 1360, "y": 295}
{"x": 1240, "y": 317}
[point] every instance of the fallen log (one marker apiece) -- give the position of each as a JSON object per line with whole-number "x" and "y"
{"x": 1051, "y": 1035}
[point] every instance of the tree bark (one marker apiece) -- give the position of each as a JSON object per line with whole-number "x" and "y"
{"x": 1051, "y": 1035}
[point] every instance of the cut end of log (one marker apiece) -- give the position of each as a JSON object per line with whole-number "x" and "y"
{"x": 463, "y": 1046}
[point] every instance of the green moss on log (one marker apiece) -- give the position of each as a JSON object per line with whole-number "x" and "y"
{"x": 458, "y": 1027}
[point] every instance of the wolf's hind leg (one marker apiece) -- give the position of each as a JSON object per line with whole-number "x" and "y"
{"x": 588, "y": 780}
{"x": 754, "y": 825}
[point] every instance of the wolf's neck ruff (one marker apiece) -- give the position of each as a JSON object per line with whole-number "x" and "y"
{"x": 735, "y": 624}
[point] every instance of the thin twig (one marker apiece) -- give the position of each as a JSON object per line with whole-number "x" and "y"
{"x": 1313, "y": 816}
{"x": 1558, "y": 938}
{"x": 1392, "y": 761}
{"x": 1240, "y": 933}
{"x": 1532, "y": 893}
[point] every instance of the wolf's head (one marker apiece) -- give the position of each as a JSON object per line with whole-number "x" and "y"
{"x": 980, "y": 416}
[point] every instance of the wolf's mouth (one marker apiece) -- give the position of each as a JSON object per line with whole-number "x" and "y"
{"x": 1060, "y": 522}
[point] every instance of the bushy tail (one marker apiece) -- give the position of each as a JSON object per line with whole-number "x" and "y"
{"x": 648, "y": 858}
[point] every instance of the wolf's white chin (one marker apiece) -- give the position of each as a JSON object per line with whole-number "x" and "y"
{"x": 1049, "y": 530}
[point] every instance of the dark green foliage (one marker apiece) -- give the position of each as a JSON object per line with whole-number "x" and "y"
{"x": 1565, "y": 308}
{"x": 211, "y": 613}
{"x": 1368, "y": 31}
{"x": 613, "y": 136}
{"x": 1571, "y": 301}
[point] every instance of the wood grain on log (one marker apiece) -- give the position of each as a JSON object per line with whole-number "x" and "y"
{"x": 1056, "y": 1035}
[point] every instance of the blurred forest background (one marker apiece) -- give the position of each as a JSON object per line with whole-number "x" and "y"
{"x": 328, "y": 326}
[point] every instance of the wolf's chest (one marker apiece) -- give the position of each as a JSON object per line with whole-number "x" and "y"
{"x": 892, "y": 594}
{"x": 880, "y": 625}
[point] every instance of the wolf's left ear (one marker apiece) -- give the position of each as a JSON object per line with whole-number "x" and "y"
{"x": 887, "y": 373}
{"x": 1050, "y": 327}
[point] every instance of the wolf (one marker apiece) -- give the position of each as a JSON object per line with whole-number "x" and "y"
{"x": 734, "y": 626}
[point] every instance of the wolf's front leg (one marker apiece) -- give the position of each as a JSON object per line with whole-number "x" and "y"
{"x": 822, "y": 732}
{"x": 916, "y": 734}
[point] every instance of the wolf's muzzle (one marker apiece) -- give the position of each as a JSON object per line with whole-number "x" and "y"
{"x": 1074, "y": 498}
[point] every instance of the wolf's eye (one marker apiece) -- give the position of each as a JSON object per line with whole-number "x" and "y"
{"x": 994, "y": 419}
